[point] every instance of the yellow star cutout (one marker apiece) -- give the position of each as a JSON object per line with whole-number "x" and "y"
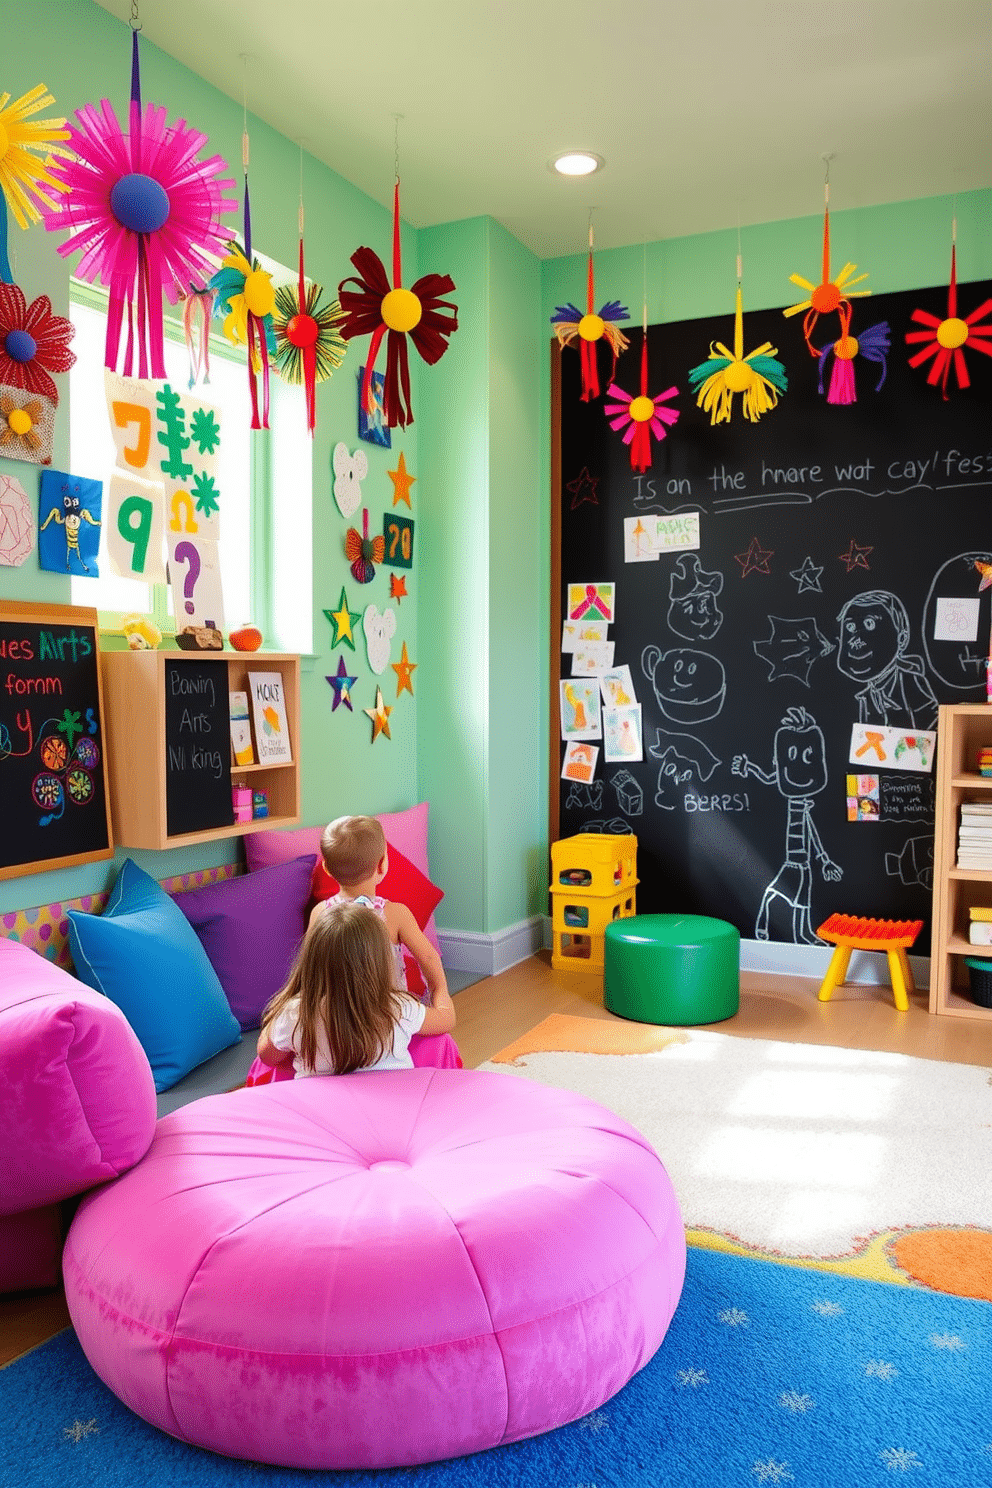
{"x": 402, "y": 481}
{"x": 379, "y": 716}
{"x": 404, "y": 669}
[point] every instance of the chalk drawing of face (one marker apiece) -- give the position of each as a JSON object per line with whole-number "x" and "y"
{"x": 800, "y": 758}
{"x": 874, "y": 630}
{"x": 693, "y": 612}
{"x": 690, "y": 685}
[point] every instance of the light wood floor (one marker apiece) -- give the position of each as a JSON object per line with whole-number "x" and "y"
{"x": 494, "y": 1012}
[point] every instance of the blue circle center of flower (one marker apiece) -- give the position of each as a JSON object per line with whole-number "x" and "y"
{"x": 139, "y": 203}
{"x": 20, "y": 346}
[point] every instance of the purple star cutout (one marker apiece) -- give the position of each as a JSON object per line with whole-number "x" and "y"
{"x": 341, "y": 685}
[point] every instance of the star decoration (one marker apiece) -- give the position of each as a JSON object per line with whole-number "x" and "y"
{"x": 855, "y": 557}
{"x": 402, "y": 481}
{"x": 755, "y": 560}
{"x": 397, "y": 587}
{"x": 341, "y": 685}
{"x": 808, "y": 577}
{"x": 985, "y": 569}
{"x": 379, "y": 716}
{"x": 583, "y": 488}
{"x": 404, "y": 669}
{"x": 344, "y": 621}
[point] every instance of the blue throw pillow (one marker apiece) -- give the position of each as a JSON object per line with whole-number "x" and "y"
{"x": 144, "y": 955}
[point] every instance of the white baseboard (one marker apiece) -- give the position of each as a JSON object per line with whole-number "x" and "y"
{"x": 465, "y": 950}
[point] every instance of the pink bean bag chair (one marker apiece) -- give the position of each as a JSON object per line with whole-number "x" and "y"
{"x": 378, "y": 1269}
{"x": 77, "y": 1106}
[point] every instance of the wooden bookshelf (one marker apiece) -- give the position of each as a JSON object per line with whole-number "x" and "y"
{"x": 962, "y": 730}
{"x": 135, "y": 709}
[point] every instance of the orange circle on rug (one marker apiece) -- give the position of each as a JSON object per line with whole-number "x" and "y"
{"x": 954, "y": 1261}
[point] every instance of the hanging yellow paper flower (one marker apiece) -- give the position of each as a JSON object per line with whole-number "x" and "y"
{"x": 245, "y": 289}
{"x": 22, "y": 141}
{"x": 758, "y": 376}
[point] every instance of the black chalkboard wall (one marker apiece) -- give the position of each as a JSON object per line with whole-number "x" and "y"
{"x": 740, "y": 803}
{"x": 197, "y": 746}
{"x": 53, "y": 770}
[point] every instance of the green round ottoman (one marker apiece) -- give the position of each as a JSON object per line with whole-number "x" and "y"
{"x": 666, "y": 968}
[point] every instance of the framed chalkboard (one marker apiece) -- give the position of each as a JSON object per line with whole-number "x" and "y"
{"x": 793, "y": 598}
{"x": 53, "y": 767}
{"x": 197, "y": 746}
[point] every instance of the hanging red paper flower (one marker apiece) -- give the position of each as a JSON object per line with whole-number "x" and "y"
{"x": 309, "y": 345}
{"x": 873, "y": 344}
{"x": 33, "y": 342}
{"x": 642, "y": 415}
{"x": 145, "y": 213}
{"x": 571, "y": 325}
{"x": 829, "y": 294}
{"x": 363, "y": 551}
{"x": 375, "y": 308}
{"x": 946, "y": 339}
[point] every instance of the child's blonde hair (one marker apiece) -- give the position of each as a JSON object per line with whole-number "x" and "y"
{"x": 345, "y": 979}
{"x": 351, "y": 847}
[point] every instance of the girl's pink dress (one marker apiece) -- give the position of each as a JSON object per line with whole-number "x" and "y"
{"x": 428, "y": 1051}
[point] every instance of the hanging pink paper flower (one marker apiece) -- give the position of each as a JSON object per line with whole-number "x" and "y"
{"x": 33, "y": 342}
{"x": 872, "y": 344}
{"x": 642, "y": 415}
{"x": 144, "y": 212}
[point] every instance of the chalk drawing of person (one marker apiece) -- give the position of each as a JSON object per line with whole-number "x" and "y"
{"x": 693, "y": 612}
{"x": 800, "y": 772}
{"x": 872, "y": 650}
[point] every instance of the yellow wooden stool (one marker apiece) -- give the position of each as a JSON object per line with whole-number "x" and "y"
{"x": 850, "y": 933}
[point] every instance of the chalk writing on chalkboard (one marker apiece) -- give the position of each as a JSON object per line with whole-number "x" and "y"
{"x": 197, "y": 746}
{"x": 828, "y": 550}
{"x": 53, "y": 793}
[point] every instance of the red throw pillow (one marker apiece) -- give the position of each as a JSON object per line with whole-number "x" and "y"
{"x": 403, "y": 882}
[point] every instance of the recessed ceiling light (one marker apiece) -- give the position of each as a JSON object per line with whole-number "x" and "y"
{"x": 577, "y": 163}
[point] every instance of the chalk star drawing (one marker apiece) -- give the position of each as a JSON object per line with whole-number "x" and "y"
{"x": 755, "y": 560}
{"x": 79, "y": 1429}
{"x": 583, "y": 488}
{"x": 899, "y": 1459}
{"x": 792, "y": 648}
{"x": 808, "y": 576}
{"x": 879, "y": 1369}
{"x": 855, "y": 557}
{"x": 771, "y": 1471}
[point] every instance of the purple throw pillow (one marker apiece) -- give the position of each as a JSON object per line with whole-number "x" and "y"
{"x": 251, "y": 927}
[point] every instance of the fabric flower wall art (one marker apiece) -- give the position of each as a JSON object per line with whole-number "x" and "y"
{"x": 143, "y": 211}
{"x": 946, "y": 340}
{"x": 377, "y": 309}
{"x": 349, "y": 472}
{"x": 16, "y": 522}
{"x": 27, "y": 147}
{"x": 26, "y": 426}
{"x": 33, "y": 343}
{"x": 830, "y": 294}
{"x": 758, "y": 377}
{"x": 872, "y": 344}
{"x": 570, "y": 325}
{"x": 362, "y": 551}
{"x": 642, "y": 416}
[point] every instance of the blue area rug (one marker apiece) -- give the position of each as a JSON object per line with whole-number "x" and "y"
{"x": 769, "y": 1374}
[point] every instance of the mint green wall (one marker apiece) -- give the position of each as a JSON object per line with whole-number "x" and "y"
{"x": 85, "y": 57}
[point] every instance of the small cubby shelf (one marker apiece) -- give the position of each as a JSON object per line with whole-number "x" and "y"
{"x": 134, "y": 707}
{"x": 962, "y": 730}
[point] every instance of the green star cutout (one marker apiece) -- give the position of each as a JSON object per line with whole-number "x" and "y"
{"x": 344, "y": 621}
{"x": 204, "y": 430}
{"x": 207, "y": 495}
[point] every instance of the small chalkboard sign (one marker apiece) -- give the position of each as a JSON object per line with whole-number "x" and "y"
{"x": 53, "y": 767}
{"x": 197, "y": 746}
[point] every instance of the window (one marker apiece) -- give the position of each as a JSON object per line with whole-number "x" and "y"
{"x": 264, "y": 558}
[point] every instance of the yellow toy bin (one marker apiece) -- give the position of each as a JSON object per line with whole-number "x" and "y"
{"x": 594, "y": 882}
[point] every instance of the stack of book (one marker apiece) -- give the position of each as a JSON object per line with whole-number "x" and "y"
{"x": 980, "y": 926}
{"x": 975, "y": 835}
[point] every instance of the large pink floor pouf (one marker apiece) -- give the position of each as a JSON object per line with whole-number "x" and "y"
{"x": 378, "y": 1269}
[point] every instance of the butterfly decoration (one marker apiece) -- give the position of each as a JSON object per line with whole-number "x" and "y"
{"x": 830, "y": 294}
{"x": 872, "y": 344}
{"x": 757, "y": 376}
{"x": 945, "y": 340}
{"x": 571, "y": 325}
{"x": 375, "y": 308}
{"x": 362, "y": 551}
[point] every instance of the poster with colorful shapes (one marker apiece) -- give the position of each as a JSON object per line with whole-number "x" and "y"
{"x": 194, "y": 574}
{"x": 576, "y": 632}
{"x": 862, "y": 798}
{"x": 135, "y": 535}
{"x": 591, "y": 602}
{"x": 617, "y": 687}
{"x": 881, "y": 747}
{"x": 622, "y": 737}
{"x": 580, "y": 709}
{"x": 580, "y": 761}
{"x": 591, "y": 658}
